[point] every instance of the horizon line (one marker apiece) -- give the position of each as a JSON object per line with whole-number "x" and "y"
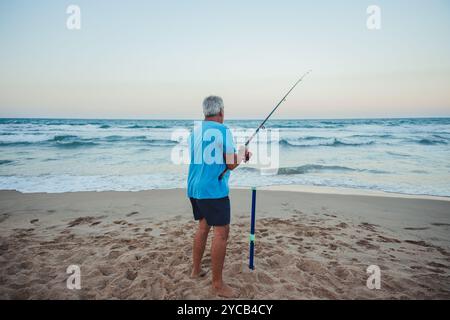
{"x": 228, "y": 119}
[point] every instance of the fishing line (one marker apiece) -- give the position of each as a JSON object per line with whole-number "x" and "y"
{"x": 267, "y": 118}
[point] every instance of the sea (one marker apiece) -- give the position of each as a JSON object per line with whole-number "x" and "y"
{"x": 410, "y": 155}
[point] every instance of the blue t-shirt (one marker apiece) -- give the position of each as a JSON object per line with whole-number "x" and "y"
{"x": 208, "y": 144}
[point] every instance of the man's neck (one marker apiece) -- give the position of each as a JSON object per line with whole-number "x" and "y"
{"x": 214, "y": 118}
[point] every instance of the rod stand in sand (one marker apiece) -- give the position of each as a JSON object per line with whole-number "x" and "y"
{"x": 251, "y": 264}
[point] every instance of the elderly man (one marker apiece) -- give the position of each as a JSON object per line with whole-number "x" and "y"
{"x": 212, "y": 151}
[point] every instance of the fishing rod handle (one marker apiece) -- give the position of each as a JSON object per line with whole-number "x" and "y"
{"x": 223, "y": 173}
{"x": 247, "y": 158}
{"x": 226, "y": 169}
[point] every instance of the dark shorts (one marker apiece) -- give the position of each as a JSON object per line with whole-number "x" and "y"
{"x": 215, "y": 211}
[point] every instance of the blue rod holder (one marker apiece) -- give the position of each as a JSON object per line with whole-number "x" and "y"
{"x": 251, "y": 264}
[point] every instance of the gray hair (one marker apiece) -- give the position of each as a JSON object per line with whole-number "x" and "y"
{"x": 212, "y": 106}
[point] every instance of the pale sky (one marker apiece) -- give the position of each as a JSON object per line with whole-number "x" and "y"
{"x": 159, "y": 59}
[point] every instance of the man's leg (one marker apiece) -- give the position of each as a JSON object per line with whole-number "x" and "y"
{"x": 200, "y": 238}
{"x": 218, "y": 251}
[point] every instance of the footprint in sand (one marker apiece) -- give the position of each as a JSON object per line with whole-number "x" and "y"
{"x": 437, "y": 265}
{"x": 309, "y": 266}
{"x": 122, "y": 222}
{"x": 114, "y": 254}
{"x": 342, "y": 273}
{"x": 419, "y": 243}
{"x": 366, "y": 244}
{"x": 310, "y": 233}
{"x": 4, "y": 246}
{"x": 368, "y": 226}
{"x": 131, "y": 274}
{"x": 440, "y": 224}
{"x": 132, "y": 213}
{"x": 342, "y": 225}
{"x": 248, "y": 291}
{"x": 236, "y": 268}
{"x": 83, "y": 220}
{"x": 4, "y": 216}
{"x": 388, "y": 240}
{"x": 21, "y": 232}
{"x": 106, "y": 270}
{"x": 264, "y": 278}
{"x": 330, "y": 215}
{"x": 26, "y": 265}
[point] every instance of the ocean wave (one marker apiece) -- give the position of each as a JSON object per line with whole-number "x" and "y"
{"x": 156, "y": 126}
{"x": 65, "y": 137}
{"x": 2, "y": 162}
{"x": 14, "y": 143}
{"x": 248, "y": 169}
{"x": 142, "y": 139}
{"x": 311, "y": 168}
{"x": 311, "y": 138}
{"x": 76, "y": 144}
{"x": 305, "y": 126}
{"x": 398, "y": 154}
{"x": 161, "y": 142}
{"x": 382, "y": 136}
{"x": 441, "y": 135}
{"x": 329, "y": 143}
{"x": 288, "y": 124}
{"x": 70, "y": 140}
{"x": 430, "y": 142}
{"x": 420, "y": 171}
{"x": 322, "y": 168}
{"x": 118, "y": 138}
{"x": 104, "y": 126}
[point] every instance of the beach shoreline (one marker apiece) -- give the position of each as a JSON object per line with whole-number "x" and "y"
{"x": 348, "y": 191}
{"x": 286, "y": 188}
{"x": 309, "y": 245}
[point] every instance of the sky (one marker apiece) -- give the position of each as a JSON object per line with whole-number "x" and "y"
{"x": 159, "y": 59}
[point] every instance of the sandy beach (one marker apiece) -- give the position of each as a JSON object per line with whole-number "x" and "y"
{"x": 309, "y": 245}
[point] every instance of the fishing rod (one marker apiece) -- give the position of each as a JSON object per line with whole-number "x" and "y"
{"x": 267, "y": 118}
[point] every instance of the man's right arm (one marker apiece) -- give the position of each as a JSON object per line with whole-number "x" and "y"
{"x": 233, "y": 160}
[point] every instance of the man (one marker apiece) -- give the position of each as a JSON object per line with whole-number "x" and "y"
{"x": 210, "y": 144}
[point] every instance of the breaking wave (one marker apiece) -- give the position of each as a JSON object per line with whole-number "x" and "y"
{"x": 311, "y": 168}
{"x": 324, "y": 143}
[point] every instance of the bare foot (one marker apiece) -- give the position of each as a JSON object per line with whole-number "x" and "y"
{"x": 225, "y": 291}
{"x": 199, "y": 274}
